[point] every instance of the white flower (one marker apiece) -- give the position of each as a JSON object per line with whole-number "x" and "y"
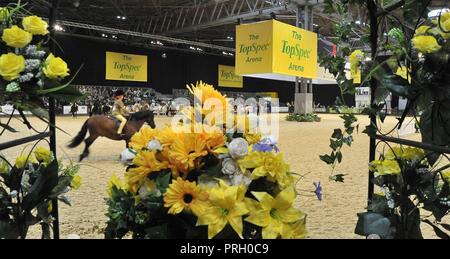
{"x": 25, "y": 78}
{"x": 127, "y": 156}
{"x": 230, "y": 167}
{"x": 238, "y": 148}
{"x": 12, "y": 87}
{"x": 149, "y": 189}
{"x": 13, "y": 194}
{"x": 154, "y": 145}
{"x": 241, "y": 179}
{"x": 25, "y": 182}
{"x": 207, "y": 182}
{"x": 32, "y": 64}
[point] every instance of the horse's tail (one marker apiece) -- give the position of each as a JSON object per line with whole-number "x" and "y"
{"x": 80, "y": 137}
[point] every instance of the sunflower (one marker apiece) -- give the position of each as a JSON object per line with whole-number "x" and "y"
{"x": 210, "y": 99}
{"x": 145, "y": 163}
{"x": 213, "y": 136}
{"x": 166, "y": 136}
{"x": 184, "y": 195}
{"x": 141, "y": 138}
{"x": 227, "y": 206}
{"x": 186, "y": 150}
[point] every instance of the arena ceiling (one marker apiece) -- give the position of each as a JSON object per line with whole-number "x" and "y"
{"x": 196, "y": 25}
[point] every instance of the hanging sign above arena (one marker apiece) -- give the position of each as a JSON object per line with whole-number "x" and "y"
{"x": 273, "y": 47}
{"x": 228, "y": 78}
{"x": 126, "y": 67}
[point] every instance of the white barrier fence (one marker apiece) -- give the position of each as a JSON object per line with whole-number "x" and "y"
{"x": 82, "y": 110}
{"x": 7, "y": 109}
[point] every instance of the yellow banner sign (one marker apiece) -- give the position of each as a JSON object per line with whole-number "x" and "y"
{"x": 275, "y": 47}
{"x": 228, "y": 77}
{"x": 126, "y": 67}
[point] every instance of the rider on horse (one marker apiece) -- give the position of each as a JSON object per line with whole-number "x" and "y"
{"x": 119, "y": 111}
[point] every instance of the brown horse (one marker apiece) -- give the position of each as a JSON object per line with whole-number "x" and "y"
{"x": 106, "y": 126}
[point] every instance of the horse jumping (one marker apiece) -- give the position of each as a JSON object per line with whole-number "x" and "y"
{"x": 105, "y": 126}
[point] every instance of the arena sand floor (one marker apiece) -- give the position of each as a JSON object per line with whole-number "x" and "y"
{"x": 301, "y": 144}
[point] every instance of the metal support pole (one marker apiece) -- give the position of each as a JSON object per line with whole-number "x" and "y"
{"x": 297, "y": 22}
{"x": 372, "y": 8}
{"x": 52, "y": 113}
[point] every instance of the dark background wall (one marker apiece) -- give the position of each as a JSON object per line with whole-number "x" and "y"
{"x": 174, "y": 72}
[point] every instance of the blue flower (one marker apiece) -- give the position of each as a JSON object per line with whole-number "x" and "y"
{"x": 262, "y": 147}
{"x": 318, "y": 191}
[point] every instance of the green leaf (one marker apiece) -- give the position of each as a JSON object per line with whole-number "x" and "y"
{"x": 68, "y": 94}
{"x": 338, "y": 178}
{"x": 371, "y": 130}
{"x": 7, "y": 127}
{"x": 373, "y": 223}
{"x": 163, "y": 180}
{"x": 58, "y": 88}
{"x": 339, "y": 157}
{"x": 42, "y": 187}
{"x": 396, "y": 85}
{"x": 337, "y": 134}
{"x": 327, "y": 159}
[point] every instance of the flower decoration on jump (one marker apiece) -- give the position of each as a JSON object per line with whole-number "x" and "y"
{"x": 407, "y": 182}
{"x": 204, "y": 180}
{"x": 27, "y": 189}
{"x": 28, "y": 70}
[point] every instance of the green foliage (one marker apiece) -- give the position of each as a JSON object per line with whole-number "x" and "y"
{"x": 309, "y": 117}
{"x": 25, "y": 195}
{"x": 32, "y": 86}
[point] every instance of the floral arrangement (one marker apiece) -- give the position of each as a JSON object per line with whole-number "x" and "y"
{"x": 28, "y": 71}
{"x": 27, "y": 189}
{"x": 407, "y": 182}
{"x": 209, "y": 183}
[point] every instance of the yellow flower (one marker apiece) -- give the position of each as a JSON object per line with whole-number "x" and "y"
{"x": 4, "y": 167}
{"x": 275, "y": 215}
{"x": 407, "y": 153}
{"x": 227, "y": 206}
{"x": 35, "y": 25}
{"x": 166, "y": 136}
{"x": 116, "y": 182}
{"x": 23, "y": 160}
{"x": 445, "y": 31}
{"x": 446, "y": 176}
{"x": 11, "y": 65}
{"x": 186, "y": 150}
{"x": 213, "y": 137}
{"x": 267, "y": 164}
{"x": 140, "y": 139}
{"x": 426, "y": 44}
{"x": 184, "y": 195}
{"x": 4, "y": 14}
{"x": 295, "y": 230}
{"x": 76, "y": 182}
{"x": 43, "y": 155}
{"x": 252, "y": 138}
{"x": 355, "y": 58}
{"x": 16, "y": 37}
{"x": 145, "y": 163}
{"x": 50, "y": 207}
{"x": 206, "y": 94}
{"x": 386, "y": 167}
{"x": 55, "y": 67}
{"x": 422, "y": 30}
